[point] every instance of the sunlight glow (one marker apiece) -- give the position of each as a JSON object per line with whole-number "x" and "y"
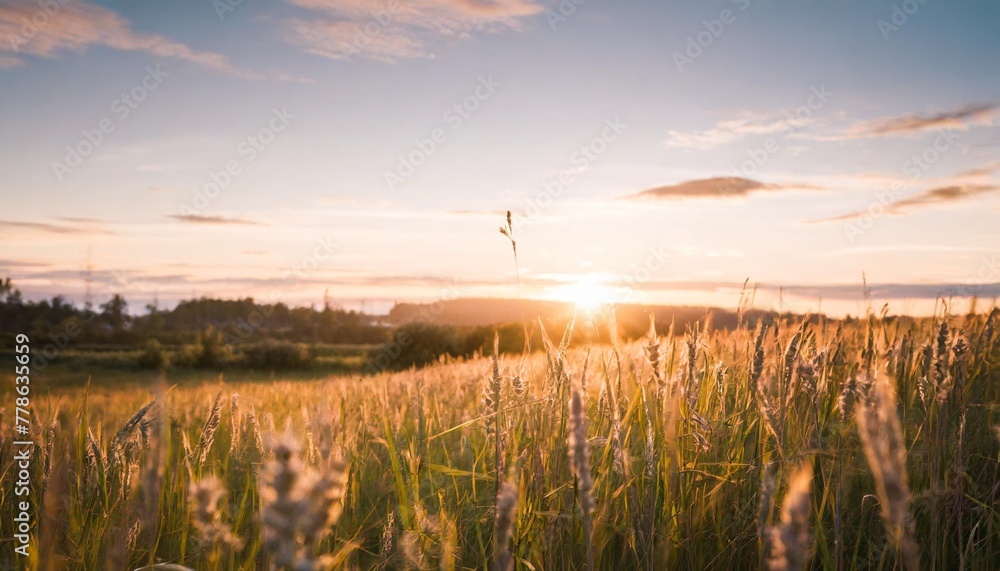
{"x": 589, "y": 294}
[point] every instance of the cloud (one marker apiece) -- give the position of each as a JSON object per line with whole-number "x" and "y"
{"x": 927, "y": 198}
{"x": 960, "y": 118}
{"x": 397, "y": 30}
{"x": 904, "y": 248}
{"x": 731, "y": 130}
{"x": 840, "y": 292}
{"x": 479, "y": 213}
{"x": 986, "y": 171}
{"x": 896, "y": 291}
{"x": 106, "y": 279}
{"x": 10, "y": 61}
{"x": 26, "y": 28}
{"x": 213, "y": 220}
{"x": 51, "y": 228}
{"x": 718, "y": 187}
{"x": 22, "y": 264}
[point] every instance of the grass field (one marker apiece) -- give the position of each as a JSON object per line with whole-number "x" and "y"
{"x": 864, "y": 446}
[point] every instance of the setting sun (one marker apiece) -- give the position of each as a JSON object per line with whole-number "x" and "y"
{"x": 589, "y": 294}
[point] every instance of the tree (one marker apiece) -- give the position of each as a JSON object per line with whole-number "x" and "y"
{"x": 115, "y": 314}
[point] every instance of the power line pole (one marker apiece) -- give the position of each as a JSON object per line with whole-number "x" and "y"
{"x": 88, "y": 280}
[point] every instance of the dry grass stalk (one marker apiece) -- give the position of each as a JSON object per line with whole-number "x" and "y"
{"x": 208, "y": 430}
{"x": 506, "y": 513}
{"x": 205, "y": 496}
{"x": 791, "y": 540}
{"x": 235, "y": 428}
{"x": 385, "y": 551}
{"x": 579, "y": 452}
{"x": 882, "y": 439}
{"x": 299, "y": 506}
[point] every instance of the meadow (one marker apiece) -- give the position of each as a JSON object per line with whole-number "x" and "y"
{"x": 782, "y": 444}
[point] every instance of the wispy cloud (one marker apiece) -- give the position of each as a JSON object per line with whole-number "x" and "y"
{"x": 907, "y": 248}
{"x": 961, "y": 118}
{"x": 78, "y": 25}
{"x": 479, "y": 213}
{"x": 986, "y": 171}
{"x": 213, "y": 220}
{"x": 22, "y": 264}
{"x": 927, "y": 198}
{"x": 719, "y": 187}
{"x": 730, "y": 130}
{"x": 10, "y": 61}
{"x": 399, "y": 30}
{"x": 49, "y": 228}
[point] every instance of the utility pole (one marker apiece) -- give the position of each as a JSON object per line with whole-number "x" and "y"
{"x": 88, "y": 280}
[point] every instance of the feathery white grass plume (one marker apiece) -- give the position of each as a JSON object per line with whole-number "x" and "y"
{"x": 299, "y": 506}
{"x": 791, "y": 539}
{"x": 204, "y": 496}
{"x": 882, "y": 439}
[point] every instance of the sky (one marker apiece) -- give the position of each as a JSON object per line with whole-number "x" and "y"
{"x": 830, "y": 155}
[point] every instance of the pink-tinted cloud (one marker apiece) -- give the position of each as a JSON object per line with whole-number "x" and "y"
{"x": 213, "y": 220}
{"x": 394, "y": 30}
{"x": 718, "y": 187}
{"x": 27, "y": 29}
{"x": 924, "y": 199}
{"x": 907, "y": 124}
{"x": 731, "y": 130}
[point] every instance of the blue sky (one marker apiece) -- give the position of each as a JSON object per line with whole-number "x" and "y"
{"x": 780, "y": 149}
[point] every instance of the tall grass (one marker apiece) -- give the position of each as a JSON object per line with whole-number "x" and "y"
{"x": 797, "y": 444}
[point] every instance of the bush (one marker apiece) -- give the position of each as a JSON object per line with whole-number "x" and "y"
{"x": 417, "y": 344}
{"x": 209, "y": 352}
{"x": 152, "y": 356}
{"x": 277, "y": 355}
{"x": 186, "y": 356}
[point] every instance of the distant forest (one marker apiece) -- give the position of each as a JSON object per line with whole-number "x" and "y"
{"x": 217, "y": 333}
{"x": 112, "y": 323}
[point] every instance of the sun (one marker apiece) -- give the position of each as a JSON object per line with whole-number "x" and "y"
{"x": 588, "y": 294}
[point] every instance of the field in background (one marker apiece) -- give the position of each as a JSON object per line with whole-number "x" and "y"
{"x": 872, "y": 445}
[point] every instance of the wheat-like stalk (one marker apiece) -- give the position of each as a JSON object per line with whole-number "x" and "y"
{"x": 791, "y": 540}
{"x": 882, "y": 439}
{"x": 299, "y": 506}
{"x": 506, "y": 512}
{"x": 235, "y": 428}
{"x": 204, "y": 496}
{"x": 579, "y": 452}
{"x": 208, "y": 430}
